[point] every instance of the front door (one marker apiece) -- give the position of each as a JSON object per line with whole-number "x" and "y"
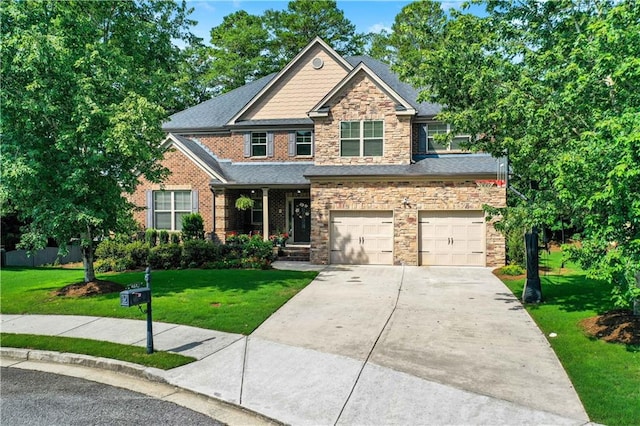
{"x": 301, "y": 212}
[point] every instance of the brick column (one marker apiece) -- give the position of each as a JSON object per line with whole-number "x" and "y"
{"x": 221, "y": 213}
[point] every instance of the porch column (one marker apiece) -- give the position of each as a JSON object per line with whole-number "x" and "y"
{"x": 220, "y": 213}
{"x": 265, "y": 214}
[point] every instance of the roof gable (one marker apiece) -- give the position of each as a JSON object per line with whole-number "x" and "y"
{"x": 297, "y": 87}
{"x": 403, "y": 106}
{"x": 197, "y": 153}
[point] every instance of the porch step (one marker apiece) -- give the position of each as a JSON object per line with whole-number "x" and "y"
{"x": 294, "y": 253}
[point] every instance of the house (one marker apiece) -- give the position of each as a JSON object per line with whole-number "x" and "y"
{"x": 338, "y": 152}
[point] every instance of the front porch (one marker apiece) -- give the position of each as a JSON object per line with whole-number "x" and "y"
{"x": 275, "y": 210}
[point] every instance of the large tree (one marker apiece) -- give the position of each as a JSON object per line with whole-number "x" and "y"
{"x": 246, "y": 47}
{"x": 555, "y": 86}
{"x": 238, "y": 51}
{"x": 85, "y": 86}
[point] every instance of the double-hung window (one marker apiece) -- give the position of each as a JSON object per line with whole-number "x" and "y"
{"x": 259, "y": 144}
{"x": 361, "y": 138}
{"x": 303, "y": 142}
{"x": 432, "y": 138}
{"x": 256, "y": 211}
{"x": 169, "y": 207}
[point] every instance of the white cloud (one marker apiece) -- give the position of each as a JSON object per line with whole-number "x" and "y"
{"x": 446, "y": 5}
{"x": 378, "y": 28}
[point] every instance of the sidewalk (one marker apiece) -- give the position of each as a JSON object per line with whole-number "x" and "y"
{"x": 286, "y": 375}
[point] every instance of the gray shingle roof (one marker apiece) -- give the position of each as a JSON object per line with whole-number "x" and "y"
{"x": 459, "y": 165}
{"x": 203, "y": 153}
{"x": 216, "y": 112}
{"x": 408, "y": 92}
{"x": 265, "y": 173}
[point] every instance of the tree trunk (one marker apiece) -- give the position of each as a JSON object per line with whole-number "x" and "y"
{"x": 636, "y": 303}
{"x": 87, "y": 256}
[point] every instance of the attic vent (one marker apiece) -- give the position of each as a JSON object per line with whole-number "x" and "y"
{"x": 317, "y": 63}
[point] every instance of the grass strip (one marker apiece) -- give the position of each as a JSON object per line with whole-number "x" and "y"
{"x": 605, "y": 375}
{"x": 134, "y": 354}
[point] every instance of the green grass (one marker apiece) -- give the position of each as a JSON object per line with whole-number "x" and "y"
{"x": 135, "y": 354}
{"x": 605, "y": 375}
{"x": 235, "y": 301}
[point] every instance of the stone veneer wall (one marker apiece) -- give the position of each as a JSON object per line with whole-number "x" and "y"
{"x": 363, "y": 100}
{"x": 385, "y": 195}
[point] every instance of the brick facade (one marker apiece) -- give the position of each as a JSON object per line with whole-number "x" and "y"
{"x": 230, "y": 146}
{"x": 385, "y": 195}
{"x": 185, "y": 175}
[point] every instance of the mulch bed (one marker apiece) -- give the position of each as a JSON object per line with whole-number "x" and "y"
{"x": 91, "y": 288}
{"x": 618, "y": 326}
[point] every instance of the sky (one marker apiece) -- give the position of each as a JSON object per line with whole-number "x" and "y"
{"x": 366, "y": 15}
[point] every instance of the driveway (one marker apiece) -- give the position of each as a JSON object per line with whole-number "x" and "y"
{"x": 457, "y": 327}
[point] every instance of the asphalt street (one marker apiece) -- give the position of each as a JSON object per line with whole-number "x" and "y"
{"x": 38, "y": 398}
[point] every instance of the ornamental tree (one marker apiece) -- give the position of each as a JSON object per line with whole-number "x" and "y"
{"x": 84, "y": 90}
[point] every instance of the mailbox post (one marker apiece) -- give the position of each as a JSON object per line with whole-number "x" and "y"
{"x": 147, "y": 280}
{"x": 138, "y": 296}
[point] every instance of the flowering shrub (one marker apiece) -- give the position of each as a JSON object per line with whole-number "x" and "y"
{"x": 279, "y": 238}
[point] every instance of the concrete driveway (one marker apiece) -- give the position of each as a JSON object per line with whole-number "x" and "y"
{"x": 421, "y": 345}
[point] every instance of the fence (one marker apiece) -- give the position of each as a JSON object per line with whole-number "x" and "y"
{"x": 46, "y": 256}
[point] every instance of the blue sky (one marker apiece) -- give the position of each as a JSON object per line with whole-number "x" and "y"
{"x": 366, "y": 15}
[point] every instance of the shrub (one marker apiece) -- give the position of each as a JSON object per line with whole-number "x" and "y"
{"x": 138, "y": 252}
{"x": 196, "y": 253}
{"x": 163, "y": 236}
{"x": 257, "y": 253}
{"x": 103, "y": 265}
{"x": 110, "y": 249}
{"x": 175, "y": 238}
{"x": 512, "y": 270}
{"x": 165, "y": 256}
{"x": 151, "y": 237}
{"x": 515, "y": 247}
{"x": 192, "y": 227}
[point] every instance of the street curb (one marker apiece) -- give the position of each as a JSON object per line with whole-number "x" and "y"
{"x": 135, "y": 370}
{"x": 129, "y": 368}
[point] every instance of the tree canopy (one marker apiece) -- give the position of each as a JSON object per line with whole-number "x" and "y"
{"x": 555, "y": 85}
{"x": 86, "y": 86}
{"x": 246, "y": 47}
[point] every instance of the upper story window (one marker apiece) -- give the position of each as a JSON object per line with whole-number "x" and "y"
{"x": 303, "y": 142}
{"x": 169, "y": 207}
{"x": 429, "y": 139}
{"x": 259, "y": 144}
{"x": 361, "y": 138}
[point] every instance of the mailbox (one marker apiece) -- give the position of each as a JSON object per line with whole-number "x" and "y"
{"x": 135, "y": 296}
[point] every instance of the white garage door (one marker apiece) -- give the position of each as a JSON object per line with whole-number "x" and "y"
{"x": 362, "y": 237}
{"x": 451, "y": 238}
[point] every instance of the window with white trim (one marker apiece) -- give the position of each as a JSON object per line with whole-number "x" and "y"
{"x": 431, "y": 137}
{"x": 303, "y": 142}
{"x": 259, "y": 144}
{"x": 361, "y": 138}
{"x": 169, "y": 207}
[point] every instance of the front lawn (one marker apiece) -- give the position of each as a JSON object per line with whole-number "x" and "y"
{"x": 605, "y": 375}
{"x": 235, "y": 301}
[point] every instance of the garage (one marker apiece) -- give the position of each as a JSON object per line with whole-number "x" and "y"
{"x": 451, "y": 238}
{"x": 361, "y": 237}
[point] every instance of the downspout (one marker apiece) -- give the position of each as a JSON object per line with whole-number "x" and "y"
{"x": 213, "y": 213}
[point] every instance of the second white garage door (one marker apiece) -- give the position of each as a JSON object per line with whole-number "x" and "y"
{"x": 362, "y": 237}
{"x": 451, "y": 238}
